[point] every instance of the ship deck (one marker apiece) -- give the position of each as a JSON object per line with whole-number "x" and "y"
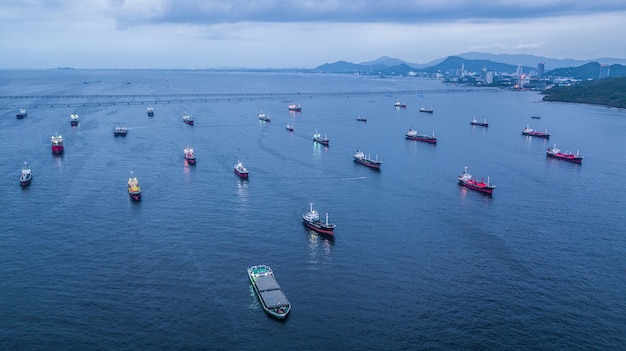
{"x": 270, "y": 292}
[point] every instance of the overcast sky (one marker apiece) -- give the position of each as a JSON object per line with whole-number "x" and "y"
{"x": 299, "y": 33}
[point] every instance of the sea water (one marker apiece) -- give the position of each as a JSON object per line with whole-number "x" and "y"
{"x": 417, "y": 261}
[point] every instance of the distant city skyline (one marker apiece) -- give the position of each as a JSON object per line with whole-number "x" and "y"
{"x": 298, "y": 33}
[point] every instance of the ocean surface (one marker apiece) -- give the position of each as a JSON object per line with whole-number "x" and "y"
{"x": 417, "y": 261}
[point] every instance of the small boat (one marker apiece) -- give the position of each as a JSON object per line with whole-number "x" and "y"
{"x": 122, "y": 131}
{"x": 57, "y": 144}
{"x": 268, "y": 291}
{"x": 150, "y": 111}
{"x": 117, "y": 131}
{"x": 567, "y": 156}
{"x": 289, "y": 127}
{"x": 361, "y": 119}
{"x": 535, "y": 117}
{"x": 240, "y": 170}
{"x": 426, "y": 110}
{"x": 134, "y": 191}
{"x": 188, "y": 119}
{"x": 414, "y": 135}
{"x": 263, "y": 117}
{"x": 359, "y": 157}
{"x": 317, "y": 137}
{"x": 531, "y": 132}
{"x": 190, "y": 157}
{"x": 312, "y": 220}
{"x": 468, "y": 181}
{"x": 295, "y": 108}
{"x": 399, "y": 105}
{"x": 21, "y": 114}
{"x": 27, "y": 175}
{"x": 74, "y": 119}
{"x": 474, "y": 122}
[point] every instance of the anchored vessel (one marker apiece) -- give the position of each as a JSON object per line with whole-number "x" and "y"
{"x": 27, "y": 175}
{"x": 361, "y": 119}
{"x": 240, "y": 170}
{"x": 190, "y": 157}
{"x": 74, "y": 119}
{"x": 414, "y": 135}
{"x": 474, "y": 122}
{"x": 188, "y": 119}
{"x": 399, "y": 105}
{"x": 150, "y": 111}
{"x": 57, "y": 144}
{"x": 263, "y": 117}
{"x": 426, "y": 110}
{"x": 295, "y": 108}
{"x": 317, "y": 137}
{"x": 567, "y": 156}
{"x": 536, "y": 133}
{"x": 270, "y": 294}
{"x": 359, "y": 157}
{"x": 312, "y": 220}
{"x": 468, "y": 181}
{"x": 289, "y": 127}
{"x": 21, "y": 114}
{"x": 134, "y": 191}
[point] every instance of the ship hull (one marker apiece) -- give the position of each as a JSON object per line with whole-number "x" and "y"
{"x": 370, "y": 164}
{"x": 25, "y": 183}
{"x": 135, "y": 196}
{"x": 484, "y": 190}
{"x": 480, "y": 124}
{"x": 57, "y": 149}
{"x": 319, "y": 228}
{"x": 191, "y": 161}
{"x": 73, "y": 123}
{"x": 538, "y": 135}
{"x": 577, "y": 160}
{"x": 241, "y": 175}
{"x": 424, "y": 140}
{"x": 323, "y": 142}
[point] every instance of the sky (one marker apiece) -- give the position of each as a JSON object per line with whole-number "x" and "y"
{"x": 198, "y": 34}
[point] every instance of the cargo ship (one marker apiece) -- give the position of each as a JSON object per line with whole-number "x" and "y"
{"x": 188, "y": 119}
{"x": 359, "y": 157}
{"x": 312, "y": 220}
{"x": 263, "y": 117}
{"x": 475, "y": 122}
{"x": 74, "y": 119}
{"x": 295, "y": 108}
{"x": 268, "y": 291}
{"x": 414, "y": 135}
{"x": 150, "y": 111}
{"x": 317, "y": 137}
{"x": 426, "y": 110}
{"x": 468, "y": 181}
{"x": 531, "y": 132}
{"x": 241, "y": 170}
{"x": 134, "y": 191}
{"x": 398, "y": 104}
{"x": 567, "y": 156}
{"x": 27, "y": 175}
{"x": 21, "y": 114}
{"x": 190, "y": 157}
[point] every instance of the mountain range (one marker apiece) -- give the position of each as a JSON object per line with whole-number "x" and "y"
{"x": 476, "y": 62}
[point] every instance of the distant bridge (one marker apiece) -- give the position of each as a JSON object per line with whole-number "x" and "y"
{"x": 155, "y": 99}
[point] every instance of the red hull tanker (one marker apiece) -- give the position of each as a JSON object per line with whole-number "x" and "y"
{"x": 312, "y": 220}
{"x": 553, "y": 152}
{"x": 469, "y": 182}
{"x": 57, "y": 144}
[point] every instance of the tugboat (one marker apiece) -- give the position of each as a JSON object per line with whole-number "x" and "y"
{"x": 361, "y": 119}
{"x": 399, "y": 105}
{"x": 241, "y": 171}
{"x": 468, "y": 181}
{"x": 150, "y": 111}
{"x": 57, "y": 144}
{"x": 190, "y": 157}
{"x": 426, "y": 110}
{"x": 359, "y": 157}
{"x": 263, "y": 117}
{"x": 188, "y": 119}
{"x": 21, "y": 114}
{"x": 312, "y": 220}
{"x": 74, "y": 119}
{"x": 414, "y": 135}
{"x": 531, "y": 132}
{"x": 568, "y": 156}
{"x": 27, "y": 175}
{"x": 134, "y": 191}
{"x": 317, "y": 137}
{"x": 268, "y": 291}
{"x": 474, "y": 122}
{"x": 294, "y": 108}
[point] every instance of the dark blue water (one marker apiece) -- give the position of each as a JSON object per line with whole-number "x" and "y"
{"x": 417, "y": 262}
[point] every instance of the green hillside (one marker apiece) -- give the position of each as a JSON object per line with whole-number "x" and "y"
{"x": 607, "y": 91}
